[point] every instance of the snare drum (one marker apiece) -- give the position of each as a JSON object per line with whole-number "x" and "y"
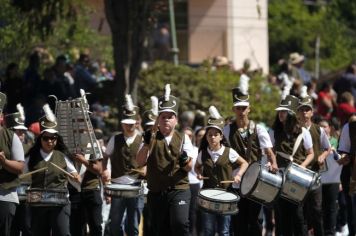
{"x": 218, "y": 201}
{"x": 260, "y": 185}
{"x": 21, "y": 191}
{"x": 123, "y": 190}
{"x": 298, "y": 182}
{"x": 38, "y": 197}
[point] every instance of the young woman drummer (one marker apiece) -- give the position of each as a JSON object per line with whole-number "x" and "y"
{"x": 290, "y": 216}
{"x": 49, "y": 148}
{"x": 215, "y": 163}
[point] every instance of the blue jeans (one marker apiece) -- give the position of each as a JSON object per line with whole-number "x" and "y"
{"x": 133, "y": 208}
{"x": 212, "y": 223}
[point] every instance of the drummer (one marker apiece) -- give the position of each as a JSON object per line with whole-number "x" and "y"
{"x": 121, "y": 150}
{"x": 289, "y": 216}
{"x": 49, "y": 148}
{"x": 321, "y": 148}
{"x": 216, "y": 162}
{"x": 167, "y": 154}
{"x": 16, "y": 122}
{"x": 252, "y": 142}
{"x": 11, "y": 165}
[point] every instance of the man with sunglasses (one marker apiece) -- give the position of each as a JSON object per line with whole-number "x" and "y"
{"x": 11, "y": 165}
{"x": 251, "y": 141}
{"x": 321, "y": 148}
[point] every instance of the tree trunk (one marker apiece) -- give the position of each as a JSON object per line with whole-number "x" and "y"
{"x": 128, "y": 21}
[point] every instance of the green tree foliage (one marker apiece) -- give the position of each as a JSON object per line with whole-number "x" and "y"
{"x": 59, "y": 26}
{"x": 294, "y": 26}
{"x": 198, "y": 88}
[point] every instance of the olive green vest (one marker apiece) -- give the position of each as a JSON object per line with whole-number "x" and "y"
{"x": 90, "y": 181}
{"x": 240, "y": 144}
{"x": 52, "y": 177}
{"x": 218, "y": 171}
{"x": 8, "y": 180}
{"x": 315, "y": 134}
{"x": 124, "y": 157}
{"x": 163, "y": 169}
{"x": 285, "y": 144}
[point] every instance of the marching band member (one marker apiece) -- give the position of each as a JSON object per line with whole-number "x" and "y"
{"x": 286, "y": 130}
{"x": 217, "y": 162}
{"x": 48, "y": 151}
{"x": 122, "y": 149}
{"x": 251, "y": 142}
{"x": 11, "y": 165}
{"x": 167, "y": 155}
{"x": 87, "y": 206}
{"x": 321, "y": 148}
{"x": 16, "y": 123}
{"x": 347, "y": 149}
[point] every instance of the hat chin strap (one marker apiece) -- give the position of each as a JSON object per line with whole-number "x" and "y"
{"x": 174, "y": 104}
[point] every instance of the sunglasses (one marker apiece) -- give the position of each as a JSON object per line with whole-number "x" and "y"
{"x": 47, "y": 138}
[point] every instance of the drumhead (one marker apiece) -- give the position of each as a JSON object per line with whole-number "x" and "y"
{"x": 250, "y": 177}
{"x": 122, "y": 187}
{"x": 218, "y": 194}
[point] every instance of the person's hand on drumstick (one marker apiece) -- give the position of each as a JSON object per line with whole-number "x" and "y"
{"x": 76, "y": 177}
{"x": 237, "y": 179}
{"x": 105, "y": 176}
{"x": 79, "y": 157}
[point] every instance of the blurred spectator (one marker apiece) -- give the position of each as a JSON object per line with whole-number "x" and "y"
{"x": 100, "y": 112}
{"x": 13, "y": 87}
{"x": 66, "y": 82}
{"x": 50, "y": 85}
{"x": 345, "y": 107}
{"x": 162, "y": 43}
{"x": 324, "y": 103}
{"x": 347, "y": 82}
{"x": 32, "y": 78}
{"x": 82, "y": 77}
{"x": 298, "y": 71}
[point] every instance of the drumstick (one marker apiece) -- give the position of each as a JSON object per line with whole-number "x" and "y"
{"x": 65, "y": 172}
{"x": 32, "y": 172}
{"x": 227, "y": 182}
{"x": 203, "y": 177}
{"x": 138, "y": 171}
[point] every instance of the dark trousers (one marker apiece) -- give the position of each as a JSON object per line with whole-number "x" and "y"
{"x": 289, "y": 219}
{"x": 86, "y": 209}
{"x": 50, "y": 220}
{"x": 246, "y": 222}
{"x": 268, "y": 218}
{"x": 330, "y": 194}
{"x": 23, "y": 220}
{"x": 7, "y": 213}
{"x": 345, "y": 182}
{"x": 313, "y": 211}
{"x": 169, "y": 211}
{"x": 193, "y": 212}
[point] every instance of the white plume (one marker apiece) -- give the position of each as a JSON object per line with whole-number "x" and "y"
{"x": 129, "y": 103}
{"x": 214, "y": 113}
{"x": 167, "y": 92}
{"x": 82, "y": 92}
{"x": 286, "y": 91}
{"x": 154, "y": 101}
{"x": 21, "y": 110}
{"x": 303, "y": 92}
{"x": 244, "y": 79}
{"x": 49, "y": 113}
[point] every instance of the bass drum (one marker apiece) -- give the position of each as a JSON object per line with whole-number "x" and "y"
{"x": 260, "y": 185}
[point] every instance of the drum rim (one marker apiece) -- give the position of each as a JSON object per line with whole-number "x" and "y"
{"x": 255, "y": 185}
{"x": 53, "y": 190}
{"x": 223, "y": 201}
{"x": 132, "y": 188}
{"x": 219, "y": 213}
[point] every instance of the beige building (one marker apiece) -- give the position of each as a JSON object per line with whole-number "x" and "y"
{"x": 236, "y": 29}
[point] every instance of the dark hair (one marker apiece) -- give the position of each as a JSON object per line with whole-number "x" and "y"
{"x": 204, "y": 142}
{"x": 292, "y": 126}
{"x": 9, "y": 68}
{"x": 60, "y": 146}
{"x": 277, "y": 124}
